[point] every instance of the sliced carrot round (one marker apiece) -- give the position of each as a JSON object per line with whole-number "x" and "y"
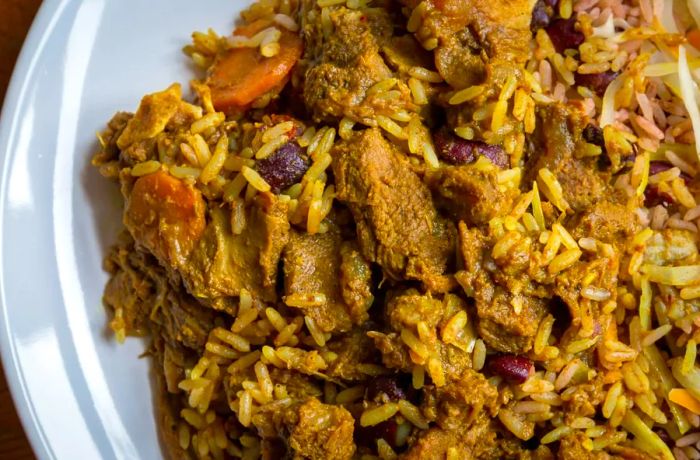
{"x": 242, "y": 75}
{"x": 165, "y": 215}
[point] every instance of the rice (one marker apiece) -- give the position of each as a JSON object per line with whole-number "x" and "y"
{"x": 378, "y": 414}
{"x": 466, "y": 94}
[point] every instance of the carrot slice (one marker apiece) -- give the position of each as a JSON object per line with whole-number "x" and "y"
{"x": 693, "y": 37}
{"x": 242, "y": 75}
{"x": 165, "y": 215}
{"x": 683, "y": 398}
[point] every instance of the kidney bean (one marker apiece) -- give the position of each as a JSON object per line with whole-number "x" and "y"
{"x": 513, "y": 368}
{"x": 284, "y": 167}
{"x": 563, "y": 34}
{"x": 594, "y": 135}
{"x": 368, "y": 435}
{"x": 597, "y": 82}
{"x": 539, "y": 18}
{"x": 453, "y": 149}
{"x": 388, "y": 386}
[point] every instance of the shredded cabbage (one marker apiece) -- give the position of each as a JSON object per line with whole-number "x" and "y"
{"x": 661, "y": 69}
{"x": 688, "y": 94}
{"x": 607, "y": 111}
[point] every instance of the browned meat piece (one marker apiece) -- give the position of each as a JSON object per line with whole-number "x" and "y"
{"x": 499, "y": 325}
{"x": 472, "y": 432}
{"x": 141, "y": 289}
{"x": 324, "y": 264}
{"x": 470, "y": 194}
{"x": 404, "y": 52}
{"x": 504, "y": 330}
{"x": 346, "y": 64}
{"x": 273, "y": 238}
{"x": 397, "y": 224}
{"x": 410, "y": 308}
{"x": 352, "y": 349}
{"x": 321, "y": 432}
{"x": 355, "y": 282}
{"x": 223, "y": 263}
{"x": 166, "y": 216}
{"x": 585, "y": 399}
{"x": 406, "y": 311}
{"x": 153, "y": 114}
{"x": 559, "y": 136}
{"x": 606, "y": 221}
{"x": 479, "y": 41}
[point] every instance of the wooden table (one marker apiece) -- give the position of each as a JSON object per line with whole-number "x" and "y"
{"x": 16, "y": 17}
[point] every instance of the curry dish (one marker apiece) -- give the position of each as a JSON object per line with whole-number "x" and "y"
{"x": 419, "y": 229}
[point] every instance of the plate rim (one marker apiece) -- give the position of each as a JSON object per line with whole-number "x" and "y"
{"x": 24, "y": 71}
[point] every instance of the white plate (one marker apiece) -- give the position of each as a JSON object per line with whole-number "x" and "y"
{"x": 79, "y": 394}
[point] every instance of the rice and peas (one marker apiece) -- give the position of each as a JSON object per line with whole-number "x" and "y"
{"x": 642, "y": 101}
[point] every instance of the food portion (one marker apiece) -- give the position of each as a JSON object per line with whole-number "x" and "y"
{"x": 438, "y": 229}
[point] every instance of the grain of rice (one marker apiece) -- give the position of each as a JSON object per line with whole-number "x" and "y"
{"x": 426, "y": 75}
{"x": 376, "y": 415}
{"x": 315, "y": 332}
{"x": 286, "y": 21}
{"x": 681, "y": 192}
{"x": 680, "y": 163}
{"x": 564, "y": 260}
{"x": 144, "y": 168}
{"x": 688, "y": 440}
{"x": 381, "y": 86}
{"x": 566, "y": 374}
{"x": 479, "y": 355}
{"x": 417, "y": 91}
{"x": 466, "y": 94}
{"x": 345, "y": 128}
{"x": 207, "y": 122}
{"x": 673, "y": 276}
{"x": 689, "y": 357}
{"x": 244, "y": 362}
{"x": 499, "y": 114}
{"x": 654, "y": 335}
{"x": 245, "y": 408}
{"x": 305, "y": 300}
{"x": 429, "y": 154}
{"x": 412, "y": 414}
{"x": 537, "y": 385}
{"x": 530, "y": 407}
{"x": 255, "y": 179}
{"x": 611, "y": 399}
{"x": 556, "y": 434}
{"x": 552, "y": 189}
{"x": 416, "y": 17}
{"x": 417, "y": 377}
{"x": 593, "y": 68}
{"x": 578, "y": 346}
{"x": 515, "y": 424}
{"x": 238, "y": 342}
{"x": 390, "y": 126}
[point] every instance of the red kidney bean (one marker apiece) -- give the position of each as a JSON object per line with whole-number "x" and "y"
{"x": 368, "y": 435}
{"x": 594, "y": 135}
{"x": 385, "y": 385}
{"x": 513, "y": 368}
{"x": 284, "y": 167}
{"x": 597, "y": 82}
{"x": 453, "y": 149}
{"x": 564, "y": 35}
{"x": 653, "y": 197}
